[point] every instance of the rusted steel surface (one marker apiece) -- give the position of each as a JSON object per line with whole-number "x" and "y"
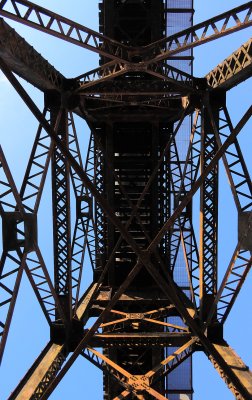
{"x": 155, "y": 296}
{"x": 24, "y": 60}
{"x": 65, "y": 28}
{"x": 211, "y": 29}
{"x": 233, "y": 70}
{"x": 240, "y": 370}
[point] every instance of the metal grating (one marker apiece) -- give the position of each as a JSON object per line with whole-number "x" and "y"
{"x": 179, "y": 16}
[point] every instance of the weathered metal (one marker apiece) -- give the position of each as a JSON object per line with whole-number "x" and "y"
{"x": 24, "y": 60}
{"x": 133, "y": 200}
{"x": 233, "y": 70}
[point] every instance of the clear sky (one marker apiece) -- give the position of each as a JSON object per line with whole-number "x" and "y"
{"x": 29, "y": 332}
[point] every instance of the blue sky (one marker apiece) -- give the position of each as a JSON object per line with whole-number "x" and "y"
{"x": 29, "y": 331}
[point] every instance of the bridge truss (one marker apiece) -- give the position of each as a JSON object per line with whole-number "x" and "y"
{"x": 157, "y": 136}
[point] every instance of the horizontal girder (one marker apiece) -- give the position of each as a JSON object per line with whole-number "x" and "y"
{"x": 61, "y": 27}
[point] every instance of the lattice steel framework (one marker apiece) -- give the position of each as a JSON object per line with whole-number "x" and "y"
{"x": 157, "y": 137}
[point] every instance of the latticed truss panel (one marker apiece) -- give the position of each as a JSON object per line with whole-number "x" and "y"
{"x": 232, "y": 68}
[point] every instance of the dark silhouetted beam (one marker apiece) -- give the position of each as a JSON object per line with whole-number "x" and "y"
{"x": 27, "y": 62}
{"x": 214, "y": 28}
{"x": 47, "y": 21}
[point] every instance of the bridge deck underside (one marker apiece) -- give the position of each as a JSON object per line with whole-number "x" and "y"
{"x": 131, "y": 152}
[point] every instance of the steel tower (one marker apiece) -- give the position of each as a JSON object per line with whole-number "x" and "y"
{"x": 157, "y": 136}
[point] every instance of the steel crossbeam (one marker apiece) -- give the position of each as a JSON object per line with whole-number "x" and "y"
{"x": 237, "y": 171}
{"x": 42, "y": 19}
{"x": 11, "y": 266}
{"x": 111, "y": 70}
{"x": 49, "y": 22}
{"x": 134, "y": 383}
{"x": 237, "y": 271}
{"x": 183, "y": 231}
{"x": 35, "y": 175}
{"x": 231, "y": 21}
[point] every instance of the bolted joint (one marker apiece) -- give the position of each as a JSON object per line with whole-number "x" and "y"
{"x": 136, "y": 67}
{"x": 19, "y": 232}
{"x": 135, "y": 316}
{"x": 145, "y": 257}
{"x": 69, "y": 100}
{"x": 200, "y": 83}
{"x": 217, "y": 98}
{"x": 139, "y": 383}
{"x": 70, "y": 336}
{"x": 54, "y": 100}
{"x": 214, "y": 332}
{"x": 245, "y": 230}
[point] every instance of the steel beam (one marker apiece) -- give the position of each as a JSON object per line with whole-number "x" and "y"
{"x": 111, "y": 70}
{"x": 139, "y": 383}
{"x": 208, "y": 216}
{"x": 27, "y": 62}
{"x": 54, "y": 24}
{"x": 237, "y": 271}
{"x": 49, "y": 362}
{"x": 36, "y": 171}
{"x": 224, "y": 24}
{"x": 43, "y": 371}
{"x": 235, "y": 165}
{"x": 11, "y": 266}
{"x": 233, "y": 70}
{"x": 84, "y": 224}
{"x": 61, "y": 213}
{"x": 238, "y": 367}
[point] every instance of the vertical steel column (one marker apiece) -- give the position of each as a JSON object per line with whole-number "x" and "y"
{"x": 110, "y": 194}
{"x": 100, "y": 221}
{"x": 165, "y": 198}
{"x": 61, "y": 212}
{"x": 154, "y": 193}
{"x": 208, "y": 214}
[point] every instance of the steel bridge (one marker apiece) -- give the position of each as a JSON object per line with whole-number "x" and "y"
{"x": 157, "y": 137}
